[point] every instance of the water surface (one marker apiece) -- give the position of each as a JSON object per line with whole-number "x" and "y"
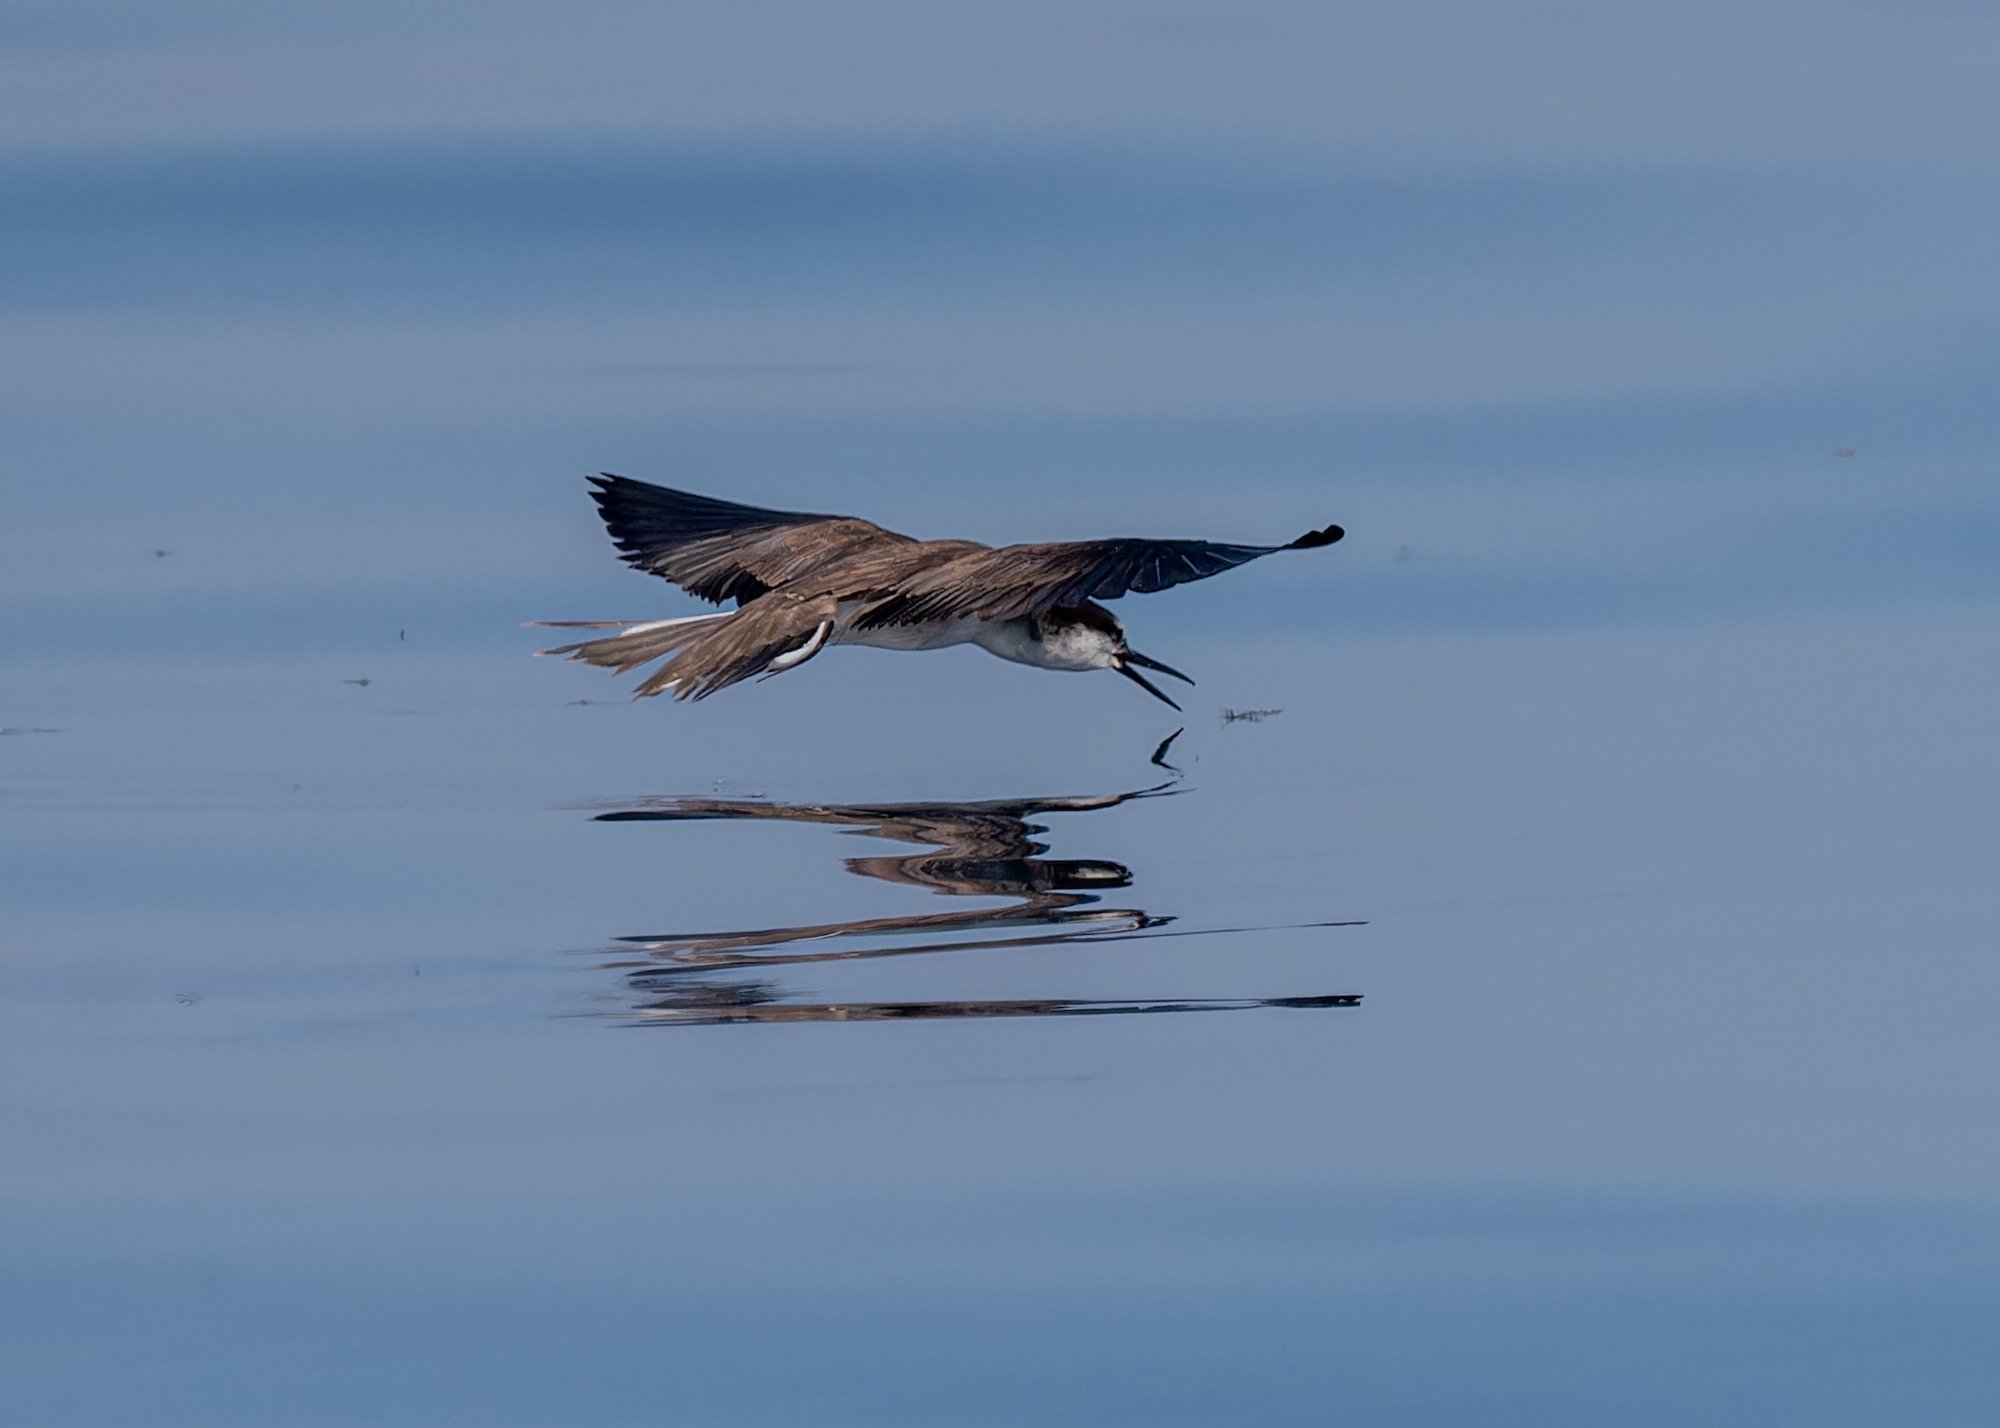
{"x": 1587, "y": 965}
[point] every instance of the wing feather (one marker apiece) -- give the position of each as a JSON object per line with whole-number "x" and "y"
{"x": 1019, "y": 580}
{"x": 720, "y": 550}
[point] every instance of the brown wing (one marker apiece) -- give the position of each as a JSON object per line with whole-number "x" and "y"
{"x": 719, "y": 550}
{"x": 754, "y": 640}
{"x": 1019, "y": 580}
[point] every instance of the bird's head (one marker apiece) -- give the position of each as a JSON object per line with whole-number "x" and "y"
{"x": 1091, "y": 637}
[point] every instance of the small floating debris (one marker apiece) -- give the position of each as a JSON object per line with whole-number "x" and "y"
{"x": 187, "y": 999}
{"x": 1846, "y": 453}
{"x": 360, "y": 683}
{"x": 1249, "y": 716}
{"x": 28, "y": 729}
{"x": 736, "y": 788}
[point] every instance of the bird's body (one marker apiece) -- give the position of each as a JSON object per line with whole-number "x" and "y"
{"x": 803, "y": 583}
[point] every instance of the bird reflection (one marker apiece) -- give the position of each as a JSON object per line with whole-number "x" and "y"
{"x": 984, "y": 849}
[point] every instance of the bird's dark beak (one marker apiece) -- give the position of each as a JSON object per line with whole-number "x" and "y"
{"x": 1145, "y": 662}
{"x": 1139, "y": 679}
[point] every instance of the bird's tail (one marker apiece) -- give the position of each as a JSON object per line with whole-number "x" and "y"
{"x": 634, "y": 644}
{"x": 712, "y": 652}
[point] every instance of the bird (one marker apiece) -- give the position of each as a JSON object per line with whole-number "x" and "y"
{"x": 804, "y": 582}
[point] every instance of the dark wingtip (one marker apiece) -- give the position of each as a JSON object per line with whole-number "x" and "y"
{"x": 1313, "y": 540}
{"x": 604, "y": 490}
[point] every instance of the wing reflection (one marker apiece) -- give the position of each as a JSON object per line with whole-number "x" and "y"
{"x": 985, "y": 850}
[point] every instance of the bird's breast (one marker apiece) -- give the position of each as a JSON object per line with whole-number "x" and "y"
{"x": 930, "y": 635}
{"x": 1024, "y": 642}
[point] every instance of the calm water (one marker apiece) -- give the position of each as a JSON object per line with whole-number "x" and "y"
{"x": 1585, "y": 974}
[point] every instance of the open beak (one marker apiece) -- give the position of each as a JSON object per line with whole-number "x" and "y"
{"x": 1132, "y": 657}
{"x": 1146, "y": 662}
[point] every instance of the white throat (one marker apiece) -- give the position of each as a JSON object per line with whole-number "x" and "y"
{"x": 1068, "y": 647}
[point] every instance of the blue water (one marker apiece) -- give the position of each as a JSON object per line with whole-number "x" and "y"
{"x": 1639, "y": 735}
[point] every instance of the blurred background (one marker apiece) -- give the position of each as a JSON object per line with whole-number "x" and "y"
{"x": 1648, "y": 355}
{"x": 1574, "y": 304}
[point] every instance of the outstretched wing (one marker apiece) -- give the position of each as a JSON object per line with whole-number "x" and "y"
{"x": 719, "y": 550}
{"x": 1019, "y": 580}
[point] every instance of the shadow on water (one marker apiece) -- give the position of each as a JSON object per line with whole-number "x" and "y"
{"x": 984, "y": 849}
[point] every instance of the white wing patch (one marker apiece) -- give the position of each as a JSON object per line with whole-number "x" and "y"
{"x": 805, "y": 651}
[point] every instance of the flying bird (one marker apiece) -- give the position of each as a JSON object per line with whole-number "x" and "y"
{"x": 804, "y": 582}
